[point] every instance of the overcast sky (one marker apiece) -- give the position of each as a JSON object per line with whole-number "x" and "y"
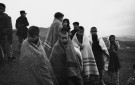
{"x": 109, "y": 16}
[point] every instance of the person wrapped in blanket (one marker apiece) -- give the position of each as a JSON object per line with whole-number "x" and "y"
{"x": 34, "y": 64}
{"x": 81, "y": 42}
{"x": 65, "y": 61}
{"x": 100, "y": 52}
{"x": 114, "y": 63}
{"x": 131, "y": 80}
{"x": 53, "y": 33}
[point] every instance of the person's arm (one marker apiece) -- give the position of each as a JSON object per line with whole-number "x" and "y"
{"x": 26, "y": 22}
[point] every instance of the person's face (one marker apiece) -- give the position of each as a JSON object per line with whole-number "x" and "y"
{"x": 93, "y": 31}
{"x": 24, "y": 14}
{"x": 64, "y": 38}
{"x": 80, "y": 32}
{"x": 112, "y": 39}
{"x": 65, "y": 23}
{"x": 76, "y": 26}
{"x": 2, "y": 10}
{"x": 34, "y": 39}
{"x": 61, "y": 19}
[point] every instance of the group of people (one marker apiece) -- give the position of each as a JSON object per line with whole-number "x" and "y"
{"x": 66, "y": 57}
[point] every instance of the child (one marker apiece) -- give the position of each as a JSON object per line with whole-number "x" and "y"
{"x": 114, "y": 64}
{"x": 131, "y": 80}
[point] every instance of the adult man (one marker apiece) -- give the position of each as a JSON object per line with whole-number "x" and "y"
{"x": 76, "y": 26}
{"x": 99, "y": 49}
{"x": 5, "y": 33}
{"x": 35, "y": 66}
{"x": 52, "y": 36}
{"x": 21, "y": 26}
{"x": 81, "y": 42}
{"x": 65, "y": 61}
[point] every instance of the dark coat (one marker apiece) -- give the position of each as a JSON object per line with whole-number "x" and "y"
{"x": 21, "y": 26}
{"x": 5, "y": 25}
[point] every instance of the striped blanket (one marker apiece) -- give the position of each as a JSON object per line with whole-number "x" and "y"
{"x": 105, "y": 54}
{"x": 89, "y": 63}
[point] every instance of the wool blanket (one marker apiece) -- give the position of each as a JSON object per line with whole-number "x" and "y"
{"x": 52, "y": 36}
{"x": 105, "y": 54}
{"x": 65, "y": 61}
{"x": 35, "y": 66}
{"x": 89, "y": 63}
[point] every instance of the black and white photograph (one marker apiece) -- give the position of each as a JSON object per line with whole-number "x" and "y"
{"x": 67, "y": 42}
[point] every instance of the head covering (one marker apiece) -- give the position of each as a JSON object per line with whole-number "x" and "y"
{"x": 22, "y": 12}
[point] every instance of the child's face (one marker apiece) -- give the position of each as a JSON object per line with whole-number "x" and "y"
{"x": 112, "y": 39}
{"x": 64, "y": 38}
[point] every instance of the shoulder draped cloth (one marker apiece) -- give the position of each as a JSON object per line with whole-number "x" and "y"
{"x": 105, "y": 54}
{"x": 65, "y": 62}
{"x": 36, "y": 68}
{"x": 89, "y": 63}
{"x": 52, "y": 36}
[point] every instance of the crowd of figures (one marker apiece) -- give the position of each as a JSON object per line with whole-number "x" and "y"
{"x": 66, "y": 57}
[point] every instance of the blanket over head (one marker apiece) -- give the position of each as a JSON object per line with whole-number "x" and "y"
{"x": 89, "y": 63}
{"x": 52, "y": 36}
{"x": 65, "y": 62}
{"x": 36, "y": 68}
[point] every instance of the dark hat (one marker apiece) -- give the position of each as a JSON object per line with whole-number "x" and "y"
{"x": 22, "y": 12}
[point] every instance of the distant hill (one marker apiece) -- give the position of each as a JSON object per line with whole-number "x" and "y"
{"x": 44, "y": 31}
{"x": 127, "y": 38}
{"x": 123, "y": 38}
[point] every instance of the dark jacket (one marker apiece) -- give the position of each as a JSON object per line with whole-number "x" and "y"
{"x": 21, "y": 26}
{"x": 6, "y": 27}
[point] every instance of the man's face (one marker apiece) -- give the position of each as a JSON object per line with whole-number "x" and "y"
{"x": 64, "y": 38}
{"x": 23, "y": 14}
{"x": 34, "y": 39}
{"x": 80, "y": 32}
{"x": 61, "y": 19}
{"x": 93, "y": 31}
{"x": 76, "y": 27}
{"x": 2, "y": 10}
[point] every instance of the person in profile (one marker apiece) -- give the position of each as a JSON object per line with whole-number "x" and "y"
{"x": 65, "y": 62}
{"x": 5, "y": 35}
{"x": 21, "y": 26}
{"x": 53, "y": 33}
{"x": 35, "y": 66}
{"x": 131, "y": 80}
{"x": 81, "y": 42}
{"x": 100, "y": 52}
{"x": 76, "y": 27}
{"x": 114, "y": 63}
